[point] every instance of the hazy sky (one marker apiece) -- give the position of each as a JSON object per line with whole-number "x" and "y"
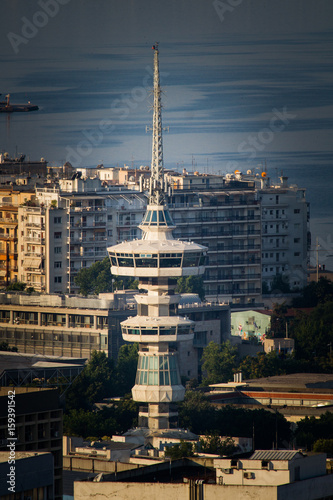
{"x": 246, "y": 82}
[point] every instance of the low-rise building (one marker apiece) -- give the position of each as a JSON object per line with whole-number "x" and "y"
{"x": 38, "y": 425}
{"x": 28, "y": 475}
{"x": 265, "y": 475}
{"x": 59, "y": 325}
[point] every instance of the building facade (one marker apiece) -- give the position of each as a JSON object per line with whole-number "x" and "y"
{"x": 38, "y": 425}
{"x": 10, "y": 200}
{"x": 225, "y": 216}
{"x": 62, "y": 326}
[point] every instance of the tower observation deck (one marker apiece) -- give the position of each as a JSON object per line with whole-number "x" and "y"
{"x": 157, "y": 260}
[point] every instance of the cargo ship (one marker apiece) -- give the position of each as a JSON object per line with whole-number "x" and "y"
{"x": 7, "y": 107}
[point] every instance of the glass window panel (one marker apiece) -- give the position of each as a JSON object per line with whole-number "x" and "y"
{"x": 150, "y": 378}
{"x": 167, "y": 378}
{"x": 151, "y": 363}
{"x": 162, "y": 378}
{"x": 155, "y": 378}
{"x": 170, "y": 262}
{"x": 126, "y": 262}
{"x": 190, "y": 260}
{"x": 155, "y": 358}
{"x": 154, "y": 216}
{"x": 152, "y": 262}
{"x": 172, "y": 362}
{"x": 161, "y": 218}
{"x": 166, "y": 363}
{"x": 167, "y": 217}
{"x": 173, "y": 376}
{"x": 202, "y": 260}
{"x": 145, "y": 378}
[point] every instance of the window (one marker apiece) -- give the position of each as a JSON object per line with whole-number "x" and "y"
{"x": 297, "y": 240}
{"x": 57, "y": 265}
{"x": 57, "y": 235}
{"x": 57, "y": 250}
{"x": 297, "y": 254}
{"x": 297, "y": 211}
{"x": 57, "y": 279}
{"x": 57, "y": 220}
{"x": 109, "y": 217}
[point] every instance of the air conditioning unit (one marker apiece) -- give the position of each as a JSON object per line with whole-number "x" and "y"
{"x": 227, "y": 471}
{"x": 248, "y": 475}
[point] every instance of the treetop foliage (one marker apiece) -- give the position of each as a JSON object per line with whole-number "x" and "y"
{"x": 191, "y": 284}
{"x": 315, "y": 293}
{"x": 98, "y": 279}
{"x": 219, "y": 362}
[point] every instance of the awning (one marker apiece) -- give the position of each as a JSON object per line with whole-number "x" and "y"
{"x": 34, "y": 263}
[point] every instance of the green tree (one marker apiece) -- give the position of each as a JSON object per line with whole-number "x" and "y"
{"x": 191, "y": 284}
{"x": 311, "y": 429}
{"x": 219, "y": 362}
{"x": 95, "y": 424}
{"x": 196, "y": 413}
{"x": 313, "y": 333}
{"x": 98, "y": 279}
{"x": 315, "y": 293}
{"x": 95, "y": 279}
{"x": 323, "y": 446}
{"x": 94, "y": 383}
{"x": 215, "y": 444}
{"x": 126, "y": 367}
{"x": 182, "y": 450}
{"x": 4, "y": 346}
{"x": 278, "y": 321}
{"x": 262, "y": 365}
{"x": 18, "y": 286}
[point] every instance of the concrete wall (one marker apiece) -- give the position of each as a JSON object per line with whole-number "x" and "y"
{"x": 318, "y": 488}
{"x": 95, "y": 465}
{"x": 130, "y": 491}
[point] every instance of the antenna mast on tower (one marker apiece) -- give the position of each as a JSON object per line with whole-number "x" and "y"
{"x": 156, "y": 187}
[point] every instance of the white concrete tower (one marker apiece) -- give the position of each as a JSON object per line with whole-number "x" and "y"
{"x": 157, "y": 260}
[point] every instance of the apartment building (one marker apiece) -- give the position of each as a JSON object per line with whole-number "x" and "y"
{"x": 286, "y": 236}
{"x": 223, "y": 214}
{"x": 70, "y": 227}
{"x": 10, "y": 200}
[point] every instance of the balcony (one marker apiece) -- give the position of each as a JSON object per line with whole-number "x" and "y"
{"x": 213, "y": 234}
{"x": 39, "y": 241}
{"x": 87, "y": 209}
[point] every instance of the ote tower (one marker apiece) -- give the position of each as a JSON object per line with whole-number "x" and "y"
{"x": 157, "y": 260}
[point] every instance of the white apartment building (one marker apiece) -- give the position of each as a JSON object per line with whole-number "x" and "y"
{"x": 285, "y": 235}
{"x": 70, "y": 227}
